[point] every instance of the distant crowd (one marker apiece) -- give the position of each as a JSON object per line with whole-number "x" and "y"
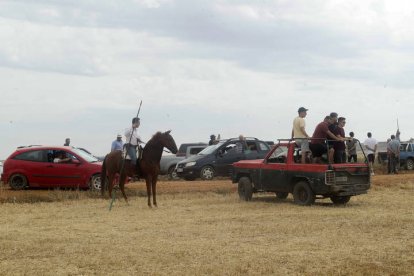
{"x": 328, "y": 137}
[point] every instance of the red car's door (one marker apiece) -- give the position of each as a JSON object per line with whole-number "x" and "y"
{"x": 67, "y": 174}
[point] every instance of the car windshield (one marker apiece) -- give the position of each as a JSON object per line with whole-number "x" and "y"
{"x": 89, "y": 158}
{"x": 210, "y": 149}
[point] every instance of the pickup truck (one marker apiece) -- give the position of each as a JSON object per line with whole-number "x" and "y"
{"x": 282, "y": 173}
{"x": 406, "y": 156}
{"x": 168, "y": 162}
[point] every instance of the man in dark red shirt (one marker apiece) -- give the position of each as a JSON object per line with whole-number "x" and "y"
{"x": 318, "y": 145}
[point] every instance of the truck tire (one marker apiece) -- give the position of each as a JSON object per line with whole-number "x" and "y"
{"x": 245, "y": 189}
{"x": 303, "y": 194}
{"x": 282, "y": 195}
{"x": 172, "y": 174}
{"x": 18, "y": 182}
{"x": 410, "y": 164}
{"x": 340, "y": 200}
{"x": 207, "y": 173}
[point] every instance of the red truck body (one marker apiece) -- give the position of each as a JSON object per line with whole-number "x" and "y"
{"x": 281, "y": 172}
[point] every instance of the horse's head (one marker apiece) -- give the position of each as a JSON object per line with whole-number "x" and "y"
{"x": 168, "y": 142}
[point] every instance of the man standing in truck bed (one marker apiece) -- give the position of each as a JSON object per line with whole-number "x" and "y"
{"x": 299, "y": 133}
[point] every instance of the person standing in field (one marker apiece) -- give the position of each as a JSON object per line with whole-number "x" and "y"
{"x": 371, "y": 147}
{"x": 351, "y": 148}
{"x": 393, "y": 149}
{"x": 117, "y": 144}
{"x": 299, "y": 133}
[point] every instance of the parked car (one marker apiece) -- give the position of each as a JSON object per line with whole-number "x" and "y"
{"x": 169, "y": 162}
{"x": 282, "y": 173}
{"x": 35, "y": 166}
{"x": 217, "y": 160}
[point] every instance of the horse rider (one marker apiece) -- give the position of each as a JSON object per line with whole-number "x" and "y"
{"x": 133, "y": 140}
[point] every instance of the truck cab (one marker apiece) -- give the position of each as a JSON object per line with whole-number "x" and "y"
{"x": 282, "y": 173}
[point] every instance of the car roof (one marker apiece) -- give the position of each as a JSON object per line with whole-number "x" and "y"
{"x": 38, "y": 147}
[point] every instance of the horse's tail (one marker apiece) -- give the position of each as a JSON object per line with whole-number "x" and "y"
{"x": 103, "y": 177}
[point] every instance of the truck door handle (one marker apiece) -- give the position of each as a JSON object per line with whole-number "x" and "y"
{"x": 50, "y": 166}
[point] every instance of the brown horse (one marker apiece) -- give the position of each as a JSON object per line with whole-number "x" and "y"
{"x": 149, "y": 165}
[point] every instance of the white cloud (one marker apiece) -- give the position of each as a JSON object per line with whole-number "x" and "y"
{"x": 79, "y": 69}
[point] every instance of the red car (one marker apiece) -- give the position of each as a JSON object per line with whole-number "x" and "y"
{"x": 51, "y": 167}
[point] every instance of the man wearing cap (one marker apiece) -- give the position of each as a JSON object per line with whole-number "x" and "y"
{"x": 299, "y": 133}
{"x": 133, "y": 140}
{"x": 118, "y": 144}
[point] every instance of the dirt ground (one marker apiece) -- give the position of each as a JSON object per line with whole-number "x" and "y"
{"x": 168, "y": 187}
{"x": 202, "y": 228}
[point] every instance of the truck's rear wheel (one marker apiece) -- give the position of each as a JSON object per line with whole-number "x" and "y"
{"x": 338, "y": 200}
{"x": 282, "y": 195}
{"x": 245, "y": 188}
{"x": 410, "y": 164}
{"x": 303, "y": 194}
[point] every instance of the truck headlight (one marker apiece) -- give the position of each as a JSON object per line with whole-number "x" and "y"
{"x": 190, "y": 164}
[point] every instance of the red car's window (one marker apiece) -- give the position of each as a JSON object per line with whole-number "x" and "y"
{"x": 35, "y": 155}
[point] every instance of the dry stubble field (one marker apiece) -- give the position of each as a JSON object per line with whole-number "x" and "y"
{"x": 201, "y": 228}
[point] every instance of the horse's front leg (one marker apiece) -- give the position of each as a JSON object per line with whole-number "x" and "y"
{"x": 154, "y": 191}
{"x": 122, "y": 186}
{"x": 111, "y": 179}
{"x": 148, "y": 181}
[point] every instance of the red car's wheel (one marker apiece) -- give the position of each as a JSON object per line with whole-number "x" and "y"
{"x": 18, "y": 182}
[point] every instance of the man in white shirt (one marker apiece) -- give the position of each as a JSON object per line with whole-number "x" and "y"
{"x": 371, "y": 147}
{"x": 299, "y": 133}
{"x": 133, "y": 140}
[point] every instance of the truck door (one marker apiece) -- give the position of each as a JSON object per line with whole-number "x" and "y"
{"x": 273, "y": 173}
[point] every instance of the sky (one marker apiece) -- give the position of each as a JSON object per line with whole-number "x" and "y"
{"x": 79, "y": 69}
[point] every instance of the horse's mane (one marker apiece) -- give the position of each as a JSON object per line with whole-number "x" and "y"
{"x": 155, "y": 138}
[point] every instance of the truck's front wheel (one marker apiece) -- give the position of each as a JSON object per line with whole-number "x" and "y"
{"x": 303, "y": 194}
{"x": 245, "y": 188}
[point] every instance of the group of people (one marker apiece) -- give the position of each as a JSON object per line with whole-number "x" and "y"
{"x": 331, "y": 129}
